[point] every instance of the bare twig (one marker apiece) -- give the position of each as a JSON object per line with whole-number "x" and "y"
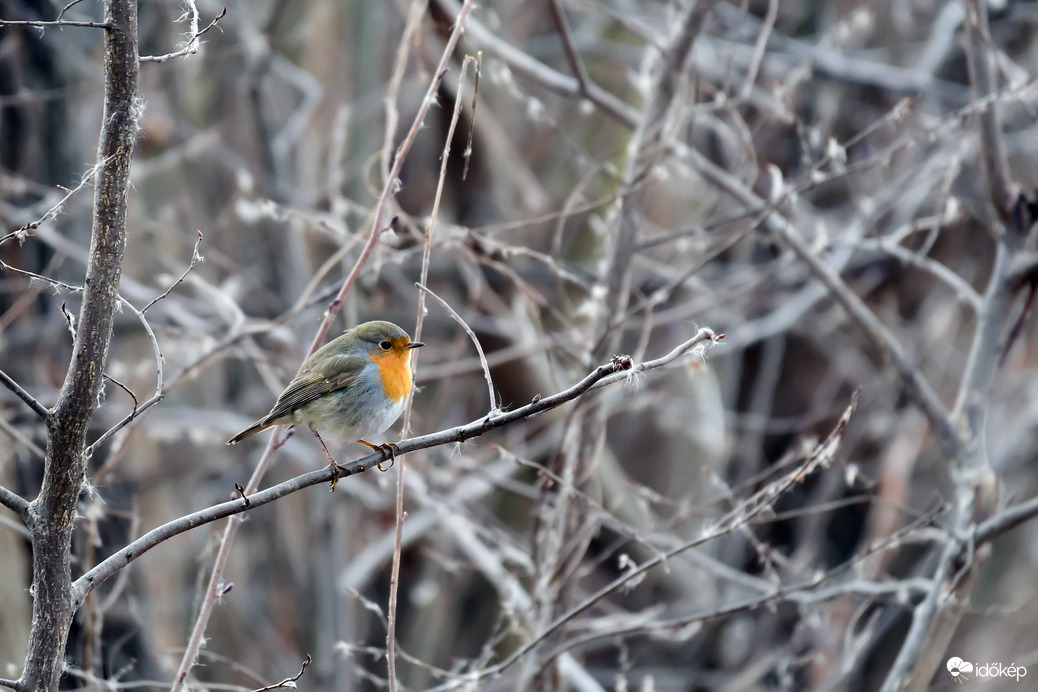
{"x": 12, "y": 684}
{"x": 192, "y": 44}
{"x": 558, "y": 15}
{"x": 195, "y": 258}
{"x": 155, "y": 398}
{"x": 22, "y": 439}
{"x": 523, "y": 64}
{"x": 214, "y": 587}
{"x": 492, "y": 398}
{"x": 289, "y": 683}
{"x": 137, "y": 409}
{"x": 1001, "y": 189}
{"x": 415, "y": 12}
{"x": 389, "y": 190}
{"x": 14, "y": 502}
{"x": 758, "y": 48}
{"x": 19, "y": 391}
{"x": 58, "y": 23}
{"x": 1005, "y": 521}
{"x": 68, "y": 7}
{"x": 54, "y": 210}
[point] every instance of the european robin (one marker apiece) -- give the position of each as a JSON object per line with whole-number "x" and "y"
{"x": 353, "y": 387}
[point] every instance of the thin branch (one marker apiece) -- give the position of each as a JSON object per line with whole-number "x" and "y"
{"x": 390, "y": 188}
{"x": 22, "y": 439}
{"x": 758, "y": 49}
{"x": 617, "y": 370}
{"x": 558, "y": 15}
{"x": 195, "y": 258}
{"x": 521, "y": 63}
{"x": 68, "y": 7}
{"x": 287, "y": 682}
{"x": 125, "y": 388}
{"x": 54, "y": 210}
{"x": 37, "y": 408}
{"x": 12, "y": 684}
{"x": 192, "y": 44}
{"x": 734, "y": 520}
{"x": 14, "y": 502}
{"x": 1005, "y": 521}
{"x": 1001, "y": 189}
{"x": 962, "y": 288}
{"x": 155, "y": 398}
{"x": 159, "y": 360}
{"x": 922, "y": 618}
{"x": 415, "y": 12}
{"x": 58, "y": 23}
{"x": 137, "y": 410}
{"x": 214, "y": 588}
{"x": 475, "y": 340}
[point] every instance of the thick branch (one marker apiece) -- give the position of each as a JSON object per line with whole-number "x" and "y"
{"x": 618, "y": 369}
{"x": 51, "y": 515}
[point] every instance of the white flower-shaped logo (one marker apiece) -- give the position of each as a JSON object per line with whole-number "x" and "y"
{"x": 957, "y": 668}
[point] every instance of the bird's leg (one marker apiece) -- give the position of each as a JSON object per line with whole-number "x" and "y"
{"x": 331, "y": 462}
{"x": 388, "y": 450}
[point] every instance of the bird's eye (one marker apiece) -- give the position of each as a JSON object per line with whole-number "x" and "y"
{"x": 386, "y": 345}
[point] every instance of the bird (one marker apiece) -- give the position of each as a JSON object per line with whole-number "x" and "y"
{"x": 353, "y": 387}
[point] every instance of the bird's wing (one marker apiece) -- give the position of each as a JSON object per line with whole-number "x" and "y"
{"x": 311, "y": 384}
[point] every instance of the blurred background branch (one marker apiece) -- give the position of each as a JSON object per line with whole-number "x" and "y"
{"x": 846, "y": 189}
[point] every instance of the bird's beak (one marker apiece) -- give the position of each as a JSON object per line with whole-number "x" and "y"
{"x": 415, "y": 344}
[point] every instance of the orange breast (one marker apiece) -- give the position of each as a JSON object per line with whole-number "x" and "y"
{"x": 395, "y": 368}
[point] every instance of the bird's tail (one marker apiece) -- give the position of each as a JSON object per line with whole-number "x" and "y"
{"x": 258, "y": 426}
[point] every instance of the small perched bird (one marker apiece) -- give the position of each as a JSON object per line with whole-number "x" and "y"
{"x": 353, "y": 387}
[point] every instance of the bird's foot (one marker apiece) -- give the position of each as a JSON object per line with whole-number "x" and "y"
{"x": 388, "y": 449}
